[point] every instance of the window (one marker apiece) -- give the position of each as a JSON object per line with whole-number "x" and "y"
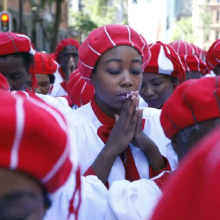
{"x": 217, "y": 16}
{"x": 216, "y": 35}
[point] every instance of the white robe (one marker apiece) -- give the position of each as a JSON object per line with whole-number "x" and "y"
{"x": 85, "y": 124}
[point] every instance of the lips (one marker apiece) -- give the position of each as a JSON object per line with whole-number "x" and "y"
{"x": 122, "y": 96}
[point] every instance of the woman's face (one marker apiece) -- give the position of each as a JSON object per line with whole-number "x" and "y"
{"x": 156, "y": 89}
{"x": 118, "y": 72}
{"x": 21, "y": 197}
{"x": 13, "y": 69}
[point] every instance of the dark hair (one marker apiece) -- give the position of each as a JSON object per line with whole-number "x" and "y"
{"x": 52, "y": 78}
{"x": 27, "y": 59}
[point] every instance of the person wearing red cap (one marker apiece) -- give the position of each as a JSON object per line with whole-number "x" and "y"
{"x": 161, "y": 75}
{"x": 21, "y": 151}
{"x": 79, "y": 91}
{"x": 213, "y": 57}
{"x": 186, "y": 118}
{"x": 113, "y": 147}
{"x": 191, "y": 56}
{"x": 193, "y": 192}
{"x": 16, "y": 57}
{"x": 44, "y": 68}
{"x": 66, "y": 54}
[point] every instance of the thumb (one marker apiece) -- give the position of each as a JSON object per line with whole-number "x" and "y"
{"x": 116, "y": 118}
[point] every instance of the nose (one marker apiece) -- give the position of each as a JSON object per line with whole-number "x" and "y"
{"x": 126, "y": 79}
{"x": 149, "y": 91}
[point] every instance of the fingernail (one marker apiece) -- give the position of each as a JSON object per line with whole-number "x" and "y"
{"x": 133, "y": 97}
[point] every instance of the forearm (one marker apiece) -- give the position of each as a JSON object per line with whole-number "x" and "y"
{"x": 155, "y": 158}
{"x": 103, "y": 163}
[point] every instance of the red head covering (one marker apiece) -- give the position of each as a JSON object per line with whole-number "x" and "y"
{"x": 194, "y": 63}
{"x": 191, "y": 103}
{"x": 191, "y": 56}
{"x": 4, "y": 83}
{"x": 26, "y": 140}
{"x": 11, "y": 43}
{"x": 79, "y": 91}
{"x": 194, "y": 190}
{"x": 165, "y": 60}
{"x": 213, "y": 55}
{"x": 64, "y": 43}
{"x": 43, "y": 64}
{"x": 104, "y": 38}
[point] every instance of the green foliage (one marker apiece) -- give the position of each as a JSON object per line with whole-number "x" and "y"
{"x": 95, "y": 13}
{"x": 183, "y": 30}
{"x": 206, "y": 18}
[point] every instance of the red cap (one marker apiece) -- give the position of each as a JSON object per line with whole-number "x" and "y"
{"x": 213, "y": 55}
{"x": 104, "y": 38}
{"x": 25, "y": 140}
{"x": 193, "y": 191}
{"x": 64, "y": 43}
{"x": 4, "y": 83}
{"x": 43, "y": 64}
{"x": 11, "y": 43}
{"x": 79, "y": 91}
{"x": 165, "y": 60}
{"x": 190, "y": 103}
{"x": 182, "y": 47}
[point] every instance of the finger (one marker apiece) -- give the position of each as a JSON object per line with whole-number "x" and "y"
{"x": 133, "y": 122}
{"x": 139, "y": 121}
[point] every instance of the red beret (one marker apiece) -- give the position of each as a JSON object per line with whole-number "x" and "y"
{"x": 32, "y": 131}
{"x": 193, "y": 191}
{"x": 194, "y": 63}
{"x": 79, "y": 91}
{"x": 43, "y": 64}
{"x": 64, "y": 43}
{"x": 11, "y": 43}
{"x": 193, "y": 101}
{"x": 104, "y": 38}
{"x": 213, "y": 55}
{"x": 4, "y": 83}
{"x": 165, "y": 60}
{"x": 182, "y": 47}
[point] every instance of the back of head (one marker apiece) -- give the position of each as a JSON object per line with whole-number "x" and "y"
{"x": 194, "y": 190}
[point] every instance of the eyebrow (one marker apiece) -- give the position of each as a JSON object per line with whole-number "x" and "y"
{"x": 119, "y": 60}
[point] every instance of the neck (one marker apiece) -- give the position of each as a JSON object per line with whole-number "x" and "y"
{"x": 108, "y": 110}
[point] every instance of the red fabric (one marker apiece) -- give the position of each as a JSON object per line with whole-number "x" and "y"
{"x": 194, "y": 63}
{"x": 162, "y": 180}
{"x": 191, "y": 103}
{"x": 193, "y": 192}
{"x": 28, "y": 129}
{"x": 104, "y": 38}
{"x": 153, "y": 173}
{"x": 79, "y": 91}
{"x": 199, "y": 52}
{"x": 191, "y": 56}
{"x": 161, "y": 54}
{"x": 43, "y": 64}
{"x": 4, "y": 83}
{"x": 64, "y": 43}
{"x": 11, "y": 43}
{"x": 213, "y": 55}
{"x": 131, "y": 172}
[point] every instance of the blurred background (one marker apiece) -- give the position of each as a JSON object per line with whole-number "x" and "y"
{"x": 47, "y": 22}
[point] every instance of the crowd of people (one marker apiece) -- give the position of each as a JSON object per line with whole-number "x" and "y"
{"x": 112, "y": 128}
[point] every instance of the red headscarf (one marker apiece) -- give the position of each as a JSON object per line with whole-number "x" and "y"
{"x": 28, "y": 129}
{"x": 43, "y": 64}
{"x": 193, "y": 101}
{"x": 194, "y": 190}
{"x": 213, "y": 55}
{"x": 165, "y": 60}
{"x": 64, "y": 43}
{"x": 191, "y": 56}
{"x": 104, "y": 38}
{"x": 79, "y": 91}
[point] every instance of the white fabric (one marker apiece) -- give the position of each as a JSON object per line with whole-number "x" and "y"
{"x": 59, "y": 102}
{"x": 58, "y": 90}
{"x": 142, "y": 103}
{"x": 133, "y": 200}
{"x": 85, "y": 124}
